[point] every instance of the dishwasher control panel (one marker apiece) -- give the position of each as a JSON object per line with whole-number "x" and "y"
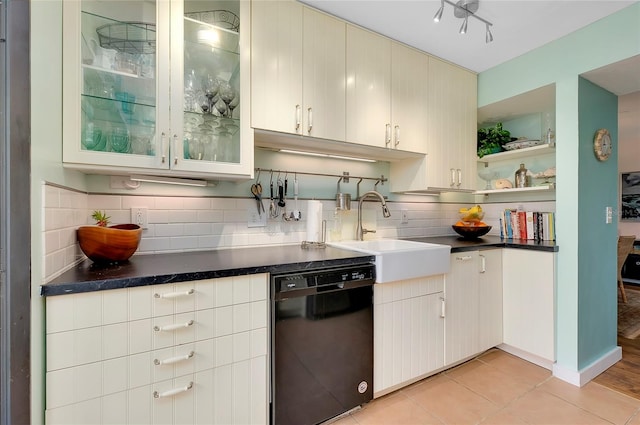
{"x": 321, "y": 277}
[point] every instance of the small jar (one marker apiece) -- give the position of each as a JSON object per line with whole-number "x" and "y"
{"x": 521, "y": 177}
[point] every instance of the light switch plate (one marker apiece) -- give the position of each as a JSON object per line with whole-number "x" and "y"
{"x": 608, "y": 215}
{"x": 405, "y": 216}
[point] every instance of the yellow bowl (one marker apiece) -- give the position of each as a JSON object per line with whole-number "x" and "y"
{"x": 469, "y": 217}
{"x": 109, "y": 244}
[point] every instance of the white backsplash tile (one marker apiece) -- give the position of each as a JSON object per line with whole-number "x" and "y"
{"x": 195, "y": 223}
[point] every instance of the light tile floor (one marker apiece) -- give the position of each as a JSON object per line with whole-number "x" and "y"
{"x": 497, "y": 388}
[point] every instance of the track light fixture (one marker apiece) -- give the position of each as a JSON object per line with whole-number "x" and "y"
{"x": 465, "y": 9}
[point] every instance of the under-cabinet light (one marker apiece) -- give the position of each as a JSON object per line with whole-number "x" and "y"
{"x": 168, "y": 180}
{"x": 327, "y": 155}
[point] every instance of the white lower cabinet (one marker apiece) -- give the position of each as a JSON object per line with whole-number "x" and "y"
{"x": 473, "y": 304}
{"x": 193, "y": 352}
{"x": 408, "y": 332}
{"x": 529, "y": 303}
{"x": 490, "y": 299}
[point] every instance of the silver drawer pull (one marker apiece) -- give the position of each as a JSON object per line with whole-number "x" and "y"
{"x": 174, "y": 294}
{"x": 465, "y": 258}
{"x": 174, "y": 391}
{"x": 172, "y": 360}
{"x": 172, "y": 327}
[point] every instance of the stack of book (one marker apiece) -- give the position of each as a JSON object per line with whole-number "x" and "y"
{"x": 516, "y": 224}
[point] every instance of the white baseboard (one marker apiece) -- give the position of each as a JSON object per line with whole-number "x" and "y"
{"x": 581, "y": 377}
{"x": 537, "y": 360}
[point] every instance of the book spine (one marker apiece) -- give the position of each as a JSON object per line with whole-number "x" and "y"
{"x": 514, "y": 225}
{"x": 530, "y": 233}
{"x": 540, "y": 227}
{"x": 508, "y": 224}
{"x": 522, "y": 224}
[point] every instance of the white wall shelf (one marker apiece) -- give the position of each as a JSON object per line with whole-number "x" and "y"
{"x": 519, "y": 153}
{"x": 546, "y": 187}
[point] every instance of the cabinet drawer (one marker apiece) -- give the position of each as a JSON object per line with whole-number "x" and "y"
{"x": 409, "y": 288}
{"x": 231, "y": 394}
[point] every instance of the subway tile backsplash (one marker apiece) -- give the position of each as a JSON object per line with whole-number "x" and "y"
{"x": 203, "y": 223}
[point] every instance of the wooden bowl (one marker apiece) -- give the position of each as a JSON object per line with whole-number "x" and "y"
{"x": 108, "y": 244}
{"x": 471, "y": 232}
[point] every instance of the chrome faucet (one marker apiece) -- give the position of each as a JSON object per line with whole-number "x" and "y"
{"x": 360, "y": 231}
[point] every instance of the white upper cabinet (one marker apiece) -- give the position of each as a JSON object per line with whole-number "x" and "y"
{"x": 368, "y": 88}
{"x": 276, "y": 66}
{"x": 157, "y": 88}
{"x": 323, "y": 81}
{"x": 386, "y": 92}
{"x": 409, "y": 94}
{"x": 298, "y": 70}
{"x": 452, "y": 126}
{"x": 450, "y": 163}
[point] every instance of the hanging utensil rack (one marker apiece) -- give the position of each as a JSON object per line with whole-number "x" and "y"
{"x": 344, "y": 177}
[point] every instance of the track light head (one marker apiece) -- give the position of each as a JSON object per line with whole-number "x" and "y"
{"x": 463, "y": 28}
{"x": 488, "y": 35}
{"x": 438, "y": 14}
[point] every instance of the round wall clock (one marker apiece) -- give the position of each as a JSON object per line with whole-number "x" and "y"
{"x": 602, "y": 145}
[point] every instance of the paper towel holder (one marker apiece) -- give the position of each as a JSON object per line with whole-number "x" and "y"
{"x": 321, "y": 244}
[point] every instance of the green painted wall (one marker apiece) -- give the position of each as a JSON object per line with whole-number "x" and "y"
{"x": 585, "y": 319}
{"x": 597, "y": 294}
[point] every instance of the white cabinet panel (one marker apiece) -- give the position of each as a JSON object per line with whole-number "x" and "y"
{"x": 112, "y": 408}
{"x": 276, "y": 63}
{"x": 473, "y": 294}
{"x": 408, "y": 331}
{"x": 450, "y": 163}
{"x": 409, "y": 95}
{"x": 298, "y": 63}
{"x": 112, "y": 379}
{"x": 223, "y": 401}
{"x": 529, "y": 301}
{"x": 115, "y": 374}
{"x": 461, "y": 318}
{"x": 368, "y": 88}
{"x": 452, "y": 126}
{"x": 490, "y": 299}
{"x": 323, "y": 71}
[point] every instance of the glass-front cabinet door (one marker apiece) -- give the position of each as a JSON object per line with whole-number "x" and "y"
{"x": 157, "y": 87}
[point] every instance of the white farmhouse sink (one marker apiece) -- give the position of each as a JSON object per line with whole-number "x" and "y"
{"x": 398, "y": 259}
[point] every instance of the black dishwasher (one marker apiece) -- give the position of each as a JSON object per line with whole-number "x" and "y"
{"x": 321, "y": 343}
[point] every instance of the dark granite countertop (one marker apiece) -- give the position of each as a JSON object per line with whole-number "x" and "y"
{"x": 142, "y": 270}
{"x": 459, "y": 244}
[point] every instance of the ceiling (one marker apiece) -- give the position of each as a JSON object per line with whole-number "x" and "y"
{"x": 518, "y": 27}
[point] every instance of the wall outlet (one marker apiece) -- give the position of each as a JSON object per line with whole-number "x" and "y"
{"x": 139, "y": 217}
{"x": 404, "y": 214}
{"x": 254, "y": 219}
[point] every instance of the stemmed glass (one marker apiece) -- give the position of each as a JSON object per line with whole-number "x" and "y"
{"x": 234, "y": 104}
{"x": 227, "y": 94}
{"x": 488, "y": 175}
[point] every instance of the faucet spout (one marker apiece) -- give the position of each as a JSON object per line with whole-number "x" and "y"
{"x": 360, "y": 231}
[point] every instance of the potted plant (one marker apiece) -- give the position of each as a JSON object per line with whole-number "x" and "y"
{"x": 491, "y": 139}
{"x": 102, "y": 243}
